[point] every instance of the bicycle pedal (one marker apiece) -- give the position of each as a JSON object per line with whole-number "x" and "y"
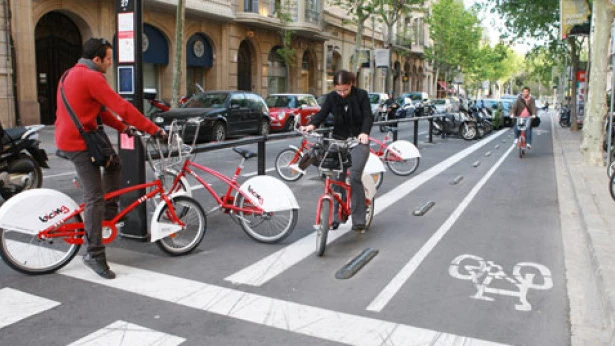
{"x": 119, "y": 225}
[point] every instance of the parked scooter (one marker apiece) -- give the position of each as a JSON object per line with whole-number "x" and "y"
{"x": 455, "y": 124}
{"x": 387, "y": 112}
{"x": 564, "y": 118}
{"x": 21, "y": 160}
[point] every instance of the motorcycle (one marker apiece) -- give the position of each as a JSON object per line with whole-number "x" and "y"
{"x": 21, "y": 160}
{"x": 155, "y": 105}
{"x": 564, "y": 118}
{"x": 455, "y": 124}
{"x": 384, "y": 114}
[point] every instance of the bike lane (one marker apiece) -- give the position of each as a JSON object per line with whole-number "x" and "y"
{"x": 498, "y": 274}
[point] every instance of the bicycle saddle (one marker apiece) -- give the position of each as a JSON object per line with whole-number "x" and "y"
{"x": 245, "y": 153}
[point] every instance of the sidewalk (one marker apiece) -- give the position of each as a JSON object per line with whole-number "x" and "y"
{"x": 588, "y": 230}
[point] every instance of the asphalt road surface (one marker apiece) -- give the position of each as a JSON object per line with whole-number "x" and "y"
{"x": 484, "y": 266}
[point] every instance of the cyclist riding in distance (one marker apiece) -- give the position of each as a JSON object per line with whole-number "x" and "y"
{"x": 524, "y": 107}
{"x": 352, "y": 118}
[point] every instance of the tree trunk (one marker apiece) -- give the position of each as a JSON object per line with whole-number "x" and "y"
{"x": 596, "y": 107}
{"x": 574, "y": 63}
{"x": 177, "y": 63}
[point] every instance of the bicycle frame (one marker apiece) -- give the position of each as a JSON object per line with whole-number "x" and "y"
{"x": 73, "y": 232}
{"x": 227, "y": 200}
{"x": 344, "y": 206}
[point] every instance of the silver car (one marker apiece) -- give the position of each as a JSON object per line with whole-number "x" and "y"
{"x": 375, "y": 100}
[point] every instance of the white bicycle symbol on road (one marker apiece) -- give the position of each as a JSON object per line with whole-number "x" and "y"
{"x": 484, "y": 273}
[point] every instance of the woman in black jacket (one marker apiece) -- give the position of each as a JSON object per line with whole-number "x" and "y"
{"x": 352, "y": 117}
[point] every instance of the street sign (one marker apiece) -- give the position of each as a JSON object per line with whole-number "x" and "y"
{"x": 382, "y": 57}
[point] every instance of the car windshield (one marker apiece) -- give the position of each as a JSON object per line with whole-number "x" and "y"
{"x": 487, "y": 103}
{"x": 439, "y": 102}
{"x": 281, "y": 102}
{"x": 374, "y": 98}
{"x": 207, "y": 100}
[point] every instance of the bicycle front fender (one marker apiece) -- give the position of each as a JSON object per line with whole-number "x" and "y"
{"x": 404, "y": 149}
{"x": 32, "y": 211}
{"x": 368, "y": 185}
{"x": 296, "y": 148}
{"x": 373, "y": 165}
{"x": 159, "y": 230}
{"x": 269, "y": 193}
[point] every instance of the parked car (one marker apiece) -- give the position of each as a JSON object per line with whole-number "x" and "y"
{"x": 443, "y": 105}
{"x": 377, "y": 99}
{"x": 286, "y": 109}
{"x": 414, "y": 97}
{"x": 221, "y": 114}
{"x": 506, "y": 106}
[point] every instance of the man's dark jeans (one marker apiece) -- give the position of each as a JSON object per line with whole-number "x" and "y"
{"x": 94, "y": 186}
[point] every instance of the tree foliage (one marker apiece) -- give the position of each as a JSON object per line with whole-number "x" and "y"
{"x": 358, "y": 12}
{"x": 456, "y": 35}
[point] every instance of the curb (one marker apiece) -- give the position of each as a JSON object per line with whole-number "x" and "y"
{"x": 600, "y": 244}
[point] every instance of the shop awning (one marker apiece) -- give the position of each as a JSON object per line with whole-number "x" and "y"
{"x": 442, "y": 84}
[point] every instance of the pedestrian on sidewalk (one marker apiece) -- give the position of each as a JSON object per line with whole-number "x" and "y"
{"x": 88, "y": 94}
{"x": 524, "y": 107}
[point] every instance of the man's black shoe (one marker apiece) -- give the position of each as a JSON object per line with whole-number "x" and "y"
{"x": 99, "y": 265}
{"x": 359, "y": 228}
{"x": 335, "y": 225}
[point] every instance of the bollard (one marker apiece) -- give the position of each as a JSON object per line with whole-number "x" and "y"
{"x": 476, "y": 164}
{"x": 416, "y": 133}
{"x": 420, "y": 211}
{"x": 350, "y": 268}
{"x": 497, "y": 146}
{"x": 488, "y": 154}
{"x": 458, "y": 179}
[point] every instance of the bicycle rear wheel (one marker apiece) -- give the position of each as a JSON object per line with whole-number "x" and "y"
{"x": 284, "y": 159}
{"x": 26, "y": 253}
{"x": 323, "y": 227}
{"x": 400, "y": 166}
{"x": 190, "y": 212}
{"x": 265, "y": 227}
{"x": 369, "y": 212}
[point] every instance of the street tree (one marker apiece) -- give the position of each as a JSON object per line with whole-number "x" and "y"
{"x": 391, "y": 13}
{"x": 179, "y": 38}
{"x": 287, "y": 52}
{"x": 358, "y": 12}
{"x": 456, "y": 34}
{"x": 593, "y": 134}
{"x": 536, "y": 22}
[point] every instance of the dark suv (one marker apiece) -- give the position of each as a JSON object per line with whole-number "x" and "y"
{"x": 221, "y": 114}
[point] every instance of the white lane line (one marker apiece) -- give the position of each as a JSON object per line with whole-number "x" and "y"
{"x": 396, "y": 283}
{"x": 124, "y": 333}
{"x": 59, "y": 175}
{"x": 267, "y": 268}
{"x": 16, "y": 306}
{"x": 251, "y": 174}
{"x": 276, "y": 313}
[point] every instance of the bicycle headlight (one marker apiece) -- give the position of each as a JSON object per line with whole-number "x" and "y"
{"x": 158, "y": 120}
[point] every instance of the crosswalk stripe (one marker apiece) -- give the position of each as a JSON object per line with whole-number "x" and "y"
{"x": 124, "y": 333}
{"x": 17, "y": 305}
{"x": 289, "y": 316}
{"x": 269, "y": 267}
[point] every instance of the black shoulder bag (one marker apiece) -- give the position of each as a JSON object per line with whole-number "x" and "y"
{"x": 100, "y": 149}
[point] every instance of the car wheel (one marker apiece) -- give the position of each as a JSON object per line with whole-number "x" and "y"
{"x": 290, "y": 124}
{"x": 263, "y": 127}
{"x": 218, "y": 132}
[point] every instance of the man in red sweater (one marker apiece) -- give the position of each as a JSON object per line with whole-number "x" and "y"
{"x": 89, "y": 95}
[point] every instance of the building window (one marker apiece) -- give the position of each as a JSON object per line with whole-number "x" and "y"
{"x": 250, "y": 6}
{"x": 312, "y": 11}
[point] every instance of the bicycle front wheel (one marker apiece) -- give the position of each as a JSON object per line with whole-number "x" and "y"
{"x": 400, "y": 166}
{"x": 369, "y": 212}
{"x": 323, "y": 227}
{"x": 189, "y": 211}
{"x": 612, "y": 186}
{"x": 26, "y": 253}
{"x": 265, "y": 227}
{"x": 285, "y": 158}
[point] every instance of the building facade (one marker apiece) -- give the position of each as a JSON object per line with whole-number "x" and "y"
{"x": 226, "y": 45}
